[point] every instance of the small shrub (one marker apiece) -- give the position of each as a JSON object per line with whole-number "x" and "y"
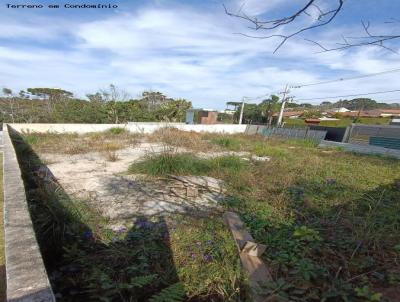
{"x": 111, "y": 156}
{"x": 177, "y": 138}
{"x": 116, "y": 131}
{"x": 170, "y": 163}
{"x": 229, "y": 143}
{"x": 76, "y": 148}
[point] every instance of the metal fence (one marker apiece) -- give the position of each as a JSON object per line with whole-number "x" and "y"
{"x": 362, "y": 134}
{"x": 297, "y": 133}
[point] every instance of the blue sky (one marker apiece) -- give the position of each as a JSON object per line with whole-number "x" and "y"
{"x": 188, "y": 49}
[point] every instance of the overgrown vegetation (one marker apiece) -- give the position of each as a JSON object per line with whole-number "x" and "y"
{"x": 107, "y": 142}
{"x": 111, "y": 105}
{"x": 329, "y": 220}
{"x": 157, "y": 259}
{"x": 186, "y": 164}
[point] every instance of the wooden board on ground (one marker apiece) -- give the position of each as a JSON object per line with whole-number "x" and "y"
{"x": 249, "y": 252}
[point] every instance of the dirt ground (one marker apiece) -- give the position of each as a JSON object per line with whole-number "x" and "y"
{"x": 120, "y": 197}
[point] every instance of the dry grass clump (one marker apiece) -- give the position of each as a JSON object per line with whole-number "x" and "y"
{"x": 177, "y": 138}
{"x": 110, "y": 151}
{"x": 107, "y": 142}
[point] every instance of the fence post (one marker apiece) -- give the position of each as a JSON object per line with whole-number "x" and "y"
{"x": 347, "y": 134}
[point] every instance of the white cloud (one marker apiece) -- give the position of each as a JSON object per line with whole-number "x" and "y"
{"x": 184, "y": 53}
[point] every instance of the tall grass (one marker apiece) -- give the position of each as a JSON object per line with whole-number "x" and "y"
{"x": 106, "y": 142}
{"x": 227, "y": 142}
{"x": 185, "y": 164}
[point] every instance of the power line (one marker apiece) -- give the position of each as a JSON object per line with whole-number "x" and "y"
{"x": 347, "y": 79}
{"x": 249, "y": 98}
{"x": 349, "y": 95}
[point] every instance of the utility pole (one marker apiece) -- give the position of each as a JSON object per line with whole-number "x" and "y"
{"x": 285, "y": 92}
{"x": 241, "y": 112}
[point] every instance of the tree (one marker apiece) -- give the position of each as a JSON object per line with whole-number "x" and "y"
{"x": 153, "y": 99}
{"x": 311, "y": 114}
{"x": 95, "y": 98}
{"x": 172, "y": 111}
{"x": 269, "y": 107}
{"x": 356, "y": 104}
{"x": 322, "y": 13}
{"x": 8, "y": 94}
{"x": 112, "y": 96}
{"x": 51, "y": 95}
{"x": 306, "y": 105}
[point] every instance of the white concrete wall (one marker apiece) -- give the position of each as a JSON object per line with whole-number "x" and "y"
{"x": 26, "y": 274}
{"x": 133, "y": 127}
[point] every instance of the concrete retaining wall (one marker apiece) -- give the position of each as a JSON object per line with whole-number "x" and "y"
{"x": 26, "y": 274}
{"x": 363, "y": 149}
{"x": 133, "y": 127}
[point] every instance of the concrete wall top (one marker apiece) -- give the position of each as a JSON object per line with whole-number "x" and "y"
{"x": 132, "y": 127}
{"x": 25, "y": 271}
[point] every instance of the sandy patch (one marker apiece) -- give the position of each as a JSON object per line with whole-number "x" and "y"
{"x": 120, "y": 197}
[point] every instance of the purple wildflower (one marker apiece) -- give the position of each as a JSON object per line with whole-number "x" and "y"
{"x": 143, "y": 223}
{"x": 165, "y": 236}
{"x": 208, "y": 258}
{"x": 121, "y": 230}
{"x": 193, "y": 255}
{"x": 88, "y": 234}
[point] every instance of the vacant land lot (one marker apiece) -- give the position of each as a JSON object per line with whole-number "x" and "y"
{"x": 143, "y": 220}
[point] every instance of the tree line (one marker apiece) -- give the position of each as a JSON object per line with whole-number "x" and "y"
{"x": 267, "y": 110}
{"x": 111, "y": 105}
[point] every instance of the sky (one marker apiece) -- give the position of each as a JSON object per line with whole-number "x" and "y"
{"x": 192, "y": 50}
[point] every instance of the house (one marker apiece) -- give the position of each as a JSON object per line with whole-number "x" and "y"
{"x": 339, "y": 110}
{"x": 312, "y": 121}
{"x": 201, "y": 116}
{"x": 356, "y": 114}
{"x": 290, "y": 114}
{"x": 395, "y": 121}
{"x": 324, "y": 118}
{"x": 385, "y": 112}
{"x": 228, "y": 111}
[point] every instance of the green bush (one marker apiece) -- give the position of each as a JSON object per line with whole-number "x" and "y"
{"x": 116, "y": 131}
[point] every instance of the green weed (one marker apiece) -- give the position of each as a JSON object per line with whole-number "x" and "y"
{"x": 116, "y": 131}
{"x": 185, "y": 164}
{"x": 230, "y": 143}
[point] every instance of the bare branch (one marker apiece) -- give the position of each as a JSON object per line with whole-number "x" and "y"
{"x": 323, "y": 18}
{"x": 369, "y": 39}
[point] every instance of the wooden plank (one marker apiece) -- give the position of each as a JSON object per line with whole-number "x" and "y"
{"x": 249, "y": 251}
{"x": 239, "y": 232}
